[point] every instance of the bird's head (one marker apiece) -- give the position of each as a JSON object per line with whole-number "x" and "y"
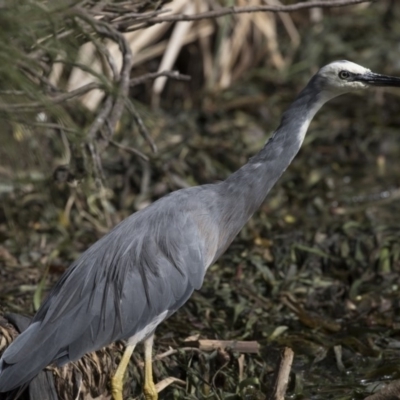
{"x": 341, "y": 77}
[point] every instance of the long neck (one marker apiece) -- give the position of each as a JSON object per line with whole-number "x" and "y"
{"x": 247, "y": 188}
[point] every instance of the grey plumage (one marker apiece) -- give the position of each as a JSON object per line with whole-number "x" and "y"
{"x": 149, "y": 265}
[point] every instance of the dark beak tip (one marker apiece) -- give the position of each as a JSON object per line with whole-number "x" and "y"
{"x": 381, "y": 80}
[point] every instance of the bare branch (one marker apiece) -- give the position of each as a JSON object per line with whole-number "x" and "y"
{"x": 281, "y": 378}
{"x": 102, "y": 50}
{"x": 94, "y": 22}
{"x": 30, "y": 71}
{"x": 142, "y": 127}
{"x": 121, "y": 14}
{"x": 100, "y": 119}
{"x": 54, "y": 100}
{"x": 50, "y": 125}
{"x": 241, "y": 10}
{"x": 124, "y": 80}
{"x": 131, "y": 150}
{"x": 170, "y": 74}
{"x": 96, "y": 162}
{"x": 241, "y": 346}
{"x": 123, "y": 86}
{"x": 13, "y": 92}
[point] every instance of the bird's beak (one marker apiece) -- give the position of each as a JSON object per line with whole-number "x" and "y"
{"x": 373, "y": 79}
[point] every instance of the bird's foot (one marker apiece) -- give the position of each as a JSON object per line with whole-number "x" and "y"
{"x": 150, "y": 391}
{"x": 116, "y": 387}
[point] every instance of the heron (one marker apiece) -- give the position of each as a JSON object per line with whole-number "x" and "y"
{"x": 147, "y": 267}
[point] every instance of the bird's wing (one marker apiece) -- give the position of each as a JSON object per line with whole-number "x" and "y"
{"x": 148, "y": 265}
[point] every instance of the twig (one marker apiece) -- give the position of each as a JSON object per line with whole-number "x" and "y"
{"x": 13, "y": 92}
{"x": 234, "y": 345}
{"x": 153, "y": 75}
{"x": 168, "y": 381}
{"x": 100, "y": 119}
{"x": 282, "y": 375}
{"x": 119, "y": 21}
{"x": 171, "y": 352}
{"x": 113, "y": 106}
{"x": 103, "y": 51}
{"x": 209, "y": 345}
{"x": 130, "y": 150}
{"x": 338, "y": 355}
{"x": 54, "y": 100}
{"x": 28, "y": 69}
{"x": 123, "y": 84}
{"x": 250, "y": 9}
{"x": 124, "y": 80}
{"x": 307, "y": 318}
{"x": 97, "y": 124}
{"x": 226, "y": 359}
{"x": 97, "y": 166}
{"x": 142, "y": 127}
{"x": 51, "y": 125}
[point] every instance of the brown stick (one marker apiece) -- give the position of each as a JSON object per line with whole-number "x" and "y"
{"x": 235, "y": 345}
{"x": 282, "y": 375}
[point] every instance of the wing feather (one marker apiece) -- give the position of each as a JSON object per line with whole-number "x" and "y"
{"x": 147, "y": 266}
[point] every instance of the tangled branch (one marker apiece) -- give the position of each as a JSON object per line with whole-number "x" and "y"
{"x": 99, "y": 24}
{"x": 243, "y": 10}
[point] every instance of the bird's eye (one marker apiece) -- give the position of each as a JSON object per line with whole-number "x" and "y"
{"x": 344, "y": 74}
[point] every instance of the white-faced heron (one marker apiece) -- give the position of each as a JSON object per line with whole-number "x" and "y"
{"x": 148, "y": 266}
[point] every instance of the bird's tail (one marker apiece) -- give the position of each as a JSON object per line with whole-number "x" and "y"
{"x": 24, "y": 358}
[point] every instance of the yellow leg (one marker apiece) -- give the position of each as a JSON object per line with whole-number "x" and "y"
{"x": 149, "y": 389}
{"x": 117, "y": 381}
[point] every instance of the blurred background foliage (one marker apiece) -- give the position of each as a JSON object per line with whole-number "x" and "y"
{"x": 316, "y": 269}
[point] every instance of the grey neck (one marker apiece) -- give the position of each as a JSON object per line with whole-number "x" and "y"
{"x": 247, "y": 188}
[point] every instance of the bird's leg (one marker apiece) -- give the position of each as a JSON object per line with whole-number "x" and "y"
{"x": 117, "y": 381}
{"x": 149, "y": 389}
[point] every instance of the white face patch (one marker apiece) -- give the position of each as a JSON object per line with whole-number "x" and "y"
{"x": 335, "y": 84}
